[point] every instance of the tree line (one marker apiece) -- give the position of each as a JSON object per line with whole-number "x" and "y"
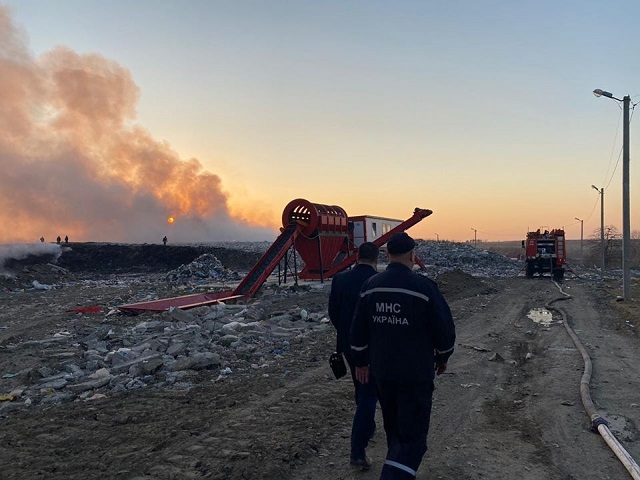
{"x": 612, "y": 248}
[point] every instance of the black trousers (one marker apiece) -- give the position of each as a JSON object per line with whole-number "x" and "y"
{"x": 406, "y": 411}
{"x": 364, "y": 423}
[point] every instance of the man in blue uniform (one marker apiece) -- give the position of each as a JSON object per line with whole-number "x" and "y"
{"x": 345, "y": 290}
{"x": 402, "y": 333}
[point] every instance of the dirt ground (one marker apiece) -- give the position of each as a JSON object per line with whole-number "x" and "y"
{"x": 509, "y": 406}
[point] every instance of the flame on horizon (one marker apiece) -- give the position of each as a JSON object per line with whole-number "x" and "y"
{"x": 76, "y": 164}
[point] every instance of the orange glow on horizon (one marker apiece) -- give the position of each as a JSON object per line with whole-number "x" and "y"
{"x": 83, "y": 140}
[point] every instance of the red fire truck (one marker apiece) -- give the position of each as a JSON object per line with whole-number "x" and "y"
{"x": 545, "y": 252}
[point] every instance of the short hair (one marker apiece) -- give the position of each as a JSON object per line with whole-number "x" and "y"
{"x": 368, "y": 251}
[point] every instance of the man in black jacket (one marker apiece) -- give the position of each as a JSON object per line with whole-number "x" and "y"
{"x": 345, "y": 290}
{"x": 402, "y": 333}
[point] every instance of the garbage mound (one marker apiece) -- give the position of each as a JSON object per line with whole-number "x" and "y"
{"x": 205, "y": 267}
{"x": 440, "y": 257}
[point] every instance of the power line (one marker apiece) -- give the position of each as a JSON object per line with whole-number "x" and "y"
{"x": 595, "y": 204}
{"x": 615, "y": 168}
{"x": 615, "y": 139}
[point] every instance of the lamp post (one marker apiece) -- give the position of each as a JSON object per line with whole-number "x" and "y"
{"x": 581, "y": 239}
{"x": 601, "y": 192}
{"x": 437, "y": 237}
{"x": 475, "y": 237}
{"x": 626, "y": 218}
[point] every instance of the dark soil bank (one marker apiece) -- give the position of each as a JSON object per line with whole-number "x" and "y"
{"x": 116, "y": 258}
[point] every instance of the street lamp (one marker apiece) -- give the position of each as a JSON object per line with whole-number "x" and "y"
{"x": 437, "y": 237}
{"x": 626, "y": 219}
{"x": 581, "y": 239}
{"x": 475, "y": 237}
{"x": 601, "y": 192}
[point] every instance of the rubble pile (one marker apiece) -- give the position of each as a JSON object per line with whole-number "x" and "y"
{"x": 175, "y": 349}
{"x": 440, "y": 257}
{"x": 249, "y": 247}
{"x": 90, "y": 357}
{"x": 205, "y": 267}
{"x": 36, "y": 276}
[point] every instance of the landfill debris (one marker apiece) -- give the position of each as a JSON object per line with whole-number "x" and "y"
{"x": 205, "y": 267}
{"x": 176, "y": 349}
{"x": 169, "y": 349}
{"x": 441, "y": 257}
{"x": 41, "y": 286}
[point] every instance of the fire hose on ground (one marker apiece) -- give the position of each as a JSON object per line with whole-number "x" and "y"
{"x": 598, "y": 423}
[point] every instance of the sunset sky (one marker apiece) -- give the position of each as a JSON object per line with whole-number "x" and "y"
{"x": 117, "y": 115}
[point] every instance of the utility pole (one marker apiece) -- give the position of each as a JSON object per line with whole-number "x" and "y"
{"x": 437, "y": 237}
{"x": 626, "y": 220}
{"x": 475, "y": 237}
{"x": 581, "y": 240}
{"x": 602, "y": 260}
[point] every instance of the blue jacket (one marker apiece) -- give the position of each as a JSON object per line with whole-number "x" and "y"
{"x": 402, "y": 326}
{"x": 345, "y": 291}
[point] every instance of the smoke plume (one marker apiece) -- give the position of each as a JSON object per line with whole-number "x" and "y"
{"x": 75, "y": 163}
{"x": 43, "y": 252}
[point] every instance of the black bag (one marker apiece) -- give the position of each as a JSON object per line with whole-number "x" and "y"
{"x": 336, "y": 362}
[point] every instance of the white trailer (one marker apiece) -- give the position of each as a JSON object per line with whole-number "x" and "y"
{"x": 367, "y": 228}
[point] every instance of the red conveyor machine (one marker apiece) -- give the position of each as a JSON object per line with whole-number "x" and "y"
{"x": 320, "y": 234}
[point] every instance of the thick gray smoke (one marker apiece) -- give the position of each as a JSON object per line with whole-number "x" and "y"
{"x": 22, "y": 251}
{"x": 75, "y": 163}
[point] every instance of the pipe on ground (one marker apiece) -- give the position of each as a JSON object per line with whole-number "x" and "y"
{"x": 598, "y": 423}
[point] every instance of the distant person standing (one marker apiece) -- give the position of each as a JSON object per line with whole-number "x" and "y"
{"x": 345, "y": 291}
{"x": 402, "y": 333}
{"x": 42, "y": 239}
{"x": 58, "y": 240}
{"x": 164, "y": 240}
{"x": 66, "y": 239}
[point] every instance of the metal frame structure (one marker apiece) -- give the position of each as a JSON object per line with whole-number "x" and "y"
{"x": 321, "y": 235}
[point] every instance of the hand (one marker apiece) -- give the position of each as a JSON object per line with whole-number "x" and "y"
{"x": 440, "y": 368}
{"x": 362, "y": 374}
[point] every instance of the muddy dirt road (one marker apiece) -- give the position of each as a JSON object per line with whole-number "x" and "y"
{"x": 508, "y": 407}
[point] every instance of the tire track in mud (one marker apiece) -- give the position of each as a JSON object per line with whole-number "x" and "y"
{"x": 471, "y": 405}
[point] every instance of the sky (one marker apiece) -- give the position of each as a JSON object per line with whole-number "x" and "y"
{"x": 115, "y": 116}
